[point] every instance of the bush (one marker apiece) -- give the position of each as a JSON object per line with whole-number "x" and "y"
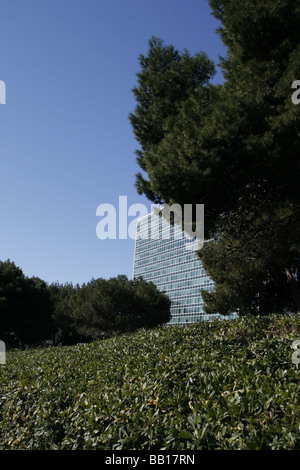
{"x": 225, "y": 384}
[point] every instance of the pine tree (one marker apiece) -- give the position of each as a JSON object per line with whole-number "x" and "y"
{"x": 235, "y": 149}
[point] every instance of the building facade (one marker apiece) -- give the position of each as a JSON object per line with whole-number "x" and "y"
{"x": 165, "y": 255}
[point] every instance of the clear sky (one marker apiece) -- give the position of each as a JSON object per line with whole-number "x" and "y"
{"x": 66, "y": 142}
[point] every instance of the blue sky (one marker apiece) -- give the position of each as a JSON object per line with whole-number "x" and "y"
{"x": 66, "y": 142}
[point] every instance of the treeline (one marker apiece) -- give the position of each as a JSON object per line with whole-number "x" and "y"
{"x": 33, "y": 312}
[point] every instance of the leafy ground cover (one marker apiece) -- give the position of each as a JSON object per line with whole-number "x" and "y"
{"x": 227, "y": 384}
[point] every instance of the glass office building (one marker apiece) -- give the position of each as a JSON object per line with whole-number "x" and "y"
{"x": 165, "y": 255}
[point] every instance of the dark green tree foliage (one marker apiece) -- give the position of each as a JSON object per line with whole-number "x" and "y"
{"x": 25, "y": 307}
{"x": 263, "y": 61}
{"x": 235, "y": 149}
{"x": 61, "y": 296}
{"x": 103, "y": 307}
{"x": 12, "y": 283}
{"x": 169, "y": 84}
{"x": 246, "y": 264}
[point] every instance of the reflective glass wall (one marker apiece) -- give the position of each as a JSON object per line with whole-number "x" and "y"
{"x": 165, "y": 255}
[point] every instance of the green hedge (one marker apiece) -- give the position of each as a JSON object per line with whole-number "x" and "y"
{"x": 227, "y": 384}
